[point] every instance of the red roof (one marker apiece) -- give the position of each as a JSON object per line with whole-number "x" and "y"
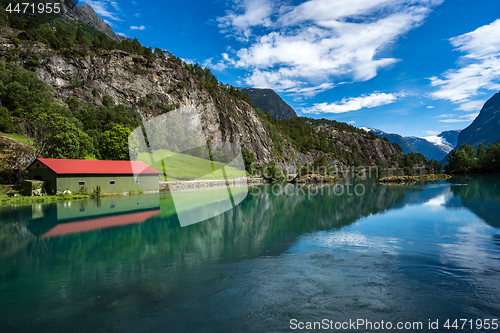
{"x": 106, "y": 222}
{"x": 64, "y": 166}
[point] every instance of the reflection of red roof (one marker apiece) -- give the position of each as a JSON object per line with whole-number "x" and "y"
{"x": 106, "y": 222}
{"x": 64, "y": 166}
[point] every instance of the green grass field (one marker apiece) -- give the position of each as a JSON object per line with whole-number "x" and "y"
{"x": 186, "y": 167}
{"x": 17, "y": 137}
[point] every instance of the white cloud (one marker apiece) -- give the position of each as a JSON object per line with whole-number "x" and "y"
{"x": 188, "y": 61}
{"x": 137, "y": 28}
{"x": 137, "y": 14}
{"x": 255, "y": 13}
{"x": 460, "y": 119}
{"x": 311, "y": 91}
{"x": 220, "y": 66}
{"x": 351, "y": 122}
{"x": 319, "y": 41}
{"x": 101, "y": 9}
{"x": 115, "y": 5}
{"x": 430, "y": 107}
{"x": 353, "y": 104}
{"x": 431, "y": 132}
{"x": 471, "y": 106}
{"x": 480, "y": 67}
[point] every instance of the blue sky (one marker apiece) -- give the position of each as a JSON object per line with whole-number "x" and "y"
{"x": 409, "y": 67}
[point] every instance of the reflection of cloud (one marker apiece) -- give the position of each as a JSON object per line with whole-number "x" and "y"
{"x": 470, "y": 250}
{"x": 439, "y": 202}
{"x": 356, "y": 240}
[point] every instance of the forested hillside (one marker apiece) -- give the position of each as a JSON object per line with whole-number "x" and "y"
{"x": 86, "y": 92}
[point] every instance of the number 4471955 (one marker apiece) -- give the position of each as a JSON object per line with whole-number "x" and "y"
{"x": 460, "y": 324}
{"x": 40, "y": 8}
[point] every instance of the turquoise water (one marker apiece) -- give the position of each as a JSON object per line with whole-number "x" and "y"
{"x": 394, "y": 253}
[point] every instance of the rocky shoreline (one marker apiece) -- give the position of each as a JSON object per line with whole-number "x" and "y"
{"x": 412, "y": 179}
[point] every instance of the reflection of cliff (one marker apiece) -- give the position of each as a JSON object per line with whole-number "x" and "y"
{"x": 260, "y": 222}
{"x": 155, "y": 259}
{"x": 481, "y": 195}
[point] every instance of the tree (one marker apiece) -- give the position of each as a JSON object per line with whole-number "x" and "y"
{"x": 6, "y": 121}
{"x": 80, "y": 39}
{"x": 108, "y": 101}
{"x": 159, "y": 53}
{"x": 463, "y": 160}
{"x": 37, "y": 133}
{"x": 481, "y": 152}
{"x": 116, "y": 145}
{"x": 55, "y": 136}
{"x": 248, "y": 159}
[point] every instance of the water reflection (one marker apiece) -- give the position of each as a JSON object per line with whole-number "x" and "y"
{"x": 481, "y": 195}
{"x": 20, "y": 225}
{"x": 270, "y": 253}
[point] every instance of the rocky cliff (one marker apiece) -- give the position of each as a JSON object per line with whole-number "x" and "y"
{"x": 484, "y": 129}
{"x": 84, "y": 13}
{"x": 133, "y": 80}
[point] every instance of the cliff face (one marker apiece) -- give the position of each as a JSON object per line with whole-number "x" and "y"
{"x": 86, "y": 14}
{"x": 270, "y": 102}
{"x": 130, "y": 80}
{"x": 484, "y": 129}
{"x": 133, "y": 81}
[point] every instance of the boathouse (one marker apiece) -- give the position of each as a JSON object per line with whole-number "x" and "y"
{"x": 112, "y": 176}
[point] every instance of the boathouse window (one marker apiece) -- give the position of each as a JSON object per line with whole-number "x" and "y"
{"x": 111, "y": 182}
{"x": 38, "y": 177}
{"x": 81, "y": 183}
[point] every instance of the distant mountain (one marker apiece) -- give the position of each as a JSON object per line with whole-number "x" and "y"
{"x": 451, "y": 137}
{"x": 407, "y": 146}
{"x": 432, "y": 147}
{"x": 431, "y": 150}
{"x": 270, "y": 102}
{"x": 485, "y": 128}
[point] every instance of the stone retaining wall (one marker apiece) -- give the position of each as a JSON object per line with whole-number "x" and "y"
{"x": 198, "y": 184}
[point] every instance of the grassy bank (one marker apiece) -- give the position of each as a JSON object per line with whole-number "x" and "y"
{"x": 20, "y": 200}
{"x": 181, "y": 167}
{"x": 15, "y": 136}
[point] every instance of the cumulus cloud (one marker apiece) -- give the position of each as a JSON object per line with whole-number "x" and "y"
{"x": 138, "y": 28}
{"x": 102, "y": 9}
{"x": 471, "y": 106}
{"x": 353, "y": 104}
{"x": 318, "y": 42}
{"x": 458, "y": 119}
{"x": 479, "y": 67}
{"x": 245, "y": 15}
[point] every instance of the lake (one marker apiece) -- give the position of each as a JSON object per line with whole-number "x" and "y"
{"x": 283, "y": 258}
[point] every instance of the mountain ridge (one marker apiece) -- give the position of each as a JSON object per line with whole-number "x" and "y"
{"x": 269, "y": 102}
{"x": 484, "y": 129}
{"x": 434, "y": 150}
